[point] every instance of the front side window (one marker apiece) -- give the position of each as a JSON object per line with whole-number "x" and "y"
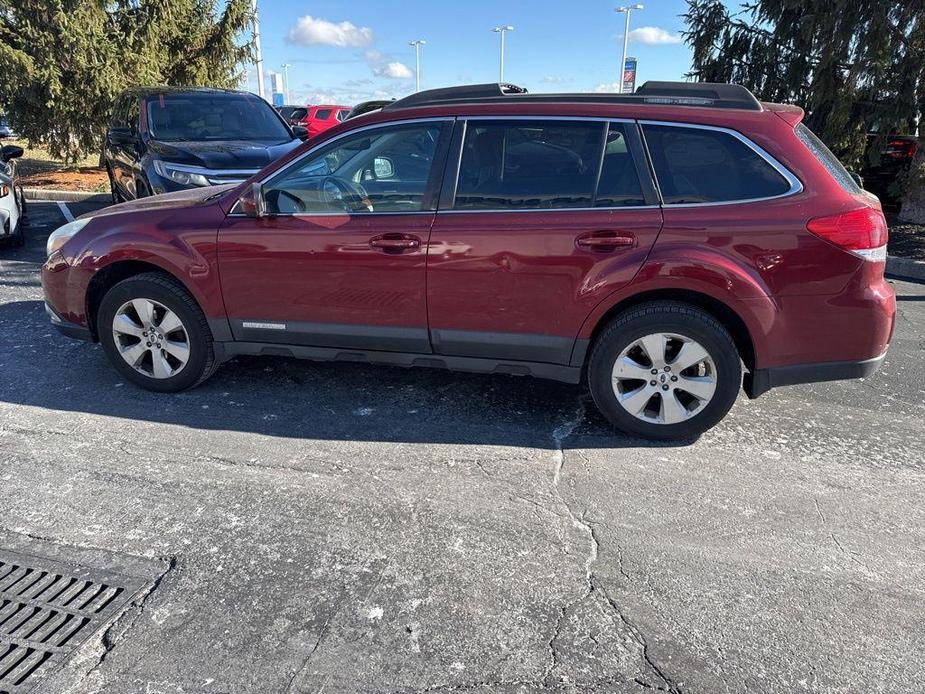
{"x": 214, "y": 116}
{"x": 386, "y": 169}
{"x": 525, "y": 165}
{"x": 702, "y": 165}
{"x": 323, "y": 114}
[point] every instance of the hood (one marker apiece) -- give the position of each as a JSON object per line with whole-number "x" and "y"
{"x": 223, "y": 154}
{"x": 166, "y": 201}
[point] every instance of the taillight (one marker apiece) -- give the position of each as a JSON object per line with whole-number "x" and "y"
{"x": 863, "y": 232}
{"x": 901, "y": 149}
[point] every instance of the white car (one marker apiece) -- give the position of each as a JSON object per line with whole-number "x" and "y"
{"x": 12, "y": 201}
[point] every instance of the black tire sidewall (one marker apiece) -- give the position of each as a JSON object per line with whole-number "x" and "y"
{"x": 690, "y": 323}
{"x": 172, "y": 297}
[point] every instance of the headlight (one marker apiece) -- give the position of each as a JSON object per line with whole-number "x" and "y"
{"x": 180, "y": 174}
{"x": 60, "y": 235}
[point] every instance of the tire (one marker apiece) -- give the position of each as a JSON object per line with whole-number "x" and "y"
{"x": 667, "y": 327}
{"x": 23, "y": 205}
{"x": 163, "y": 294}
{"x": 116, "y": 195}
{"x": 142, "y": 189}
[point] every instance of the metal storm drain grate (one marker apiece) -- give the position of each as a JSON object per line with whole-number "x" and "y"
{"x": 47, "y": 609}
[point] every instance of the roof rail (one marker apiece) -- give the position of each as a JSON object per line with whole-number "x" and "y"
{"x": 702, "y": 94}
{"x": 469, "y": 92}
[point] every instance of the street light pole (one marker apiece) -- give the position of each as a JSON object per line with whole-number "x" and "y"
{"x": 417, "y": 43}
{"x": 626, "y": 38}
{"x": 286, "y": 67}
{"x": 258, "y": 54}
{"x": 502, "y": 30}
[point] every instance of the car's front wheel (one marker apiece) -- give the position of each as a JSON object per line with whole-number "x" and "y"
{"x": 155, "y": 334}
{"x": 665, "y": 370}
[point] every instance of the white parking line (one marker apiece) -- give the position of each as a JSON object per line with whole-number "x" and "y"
{"x": 66, "y": 212}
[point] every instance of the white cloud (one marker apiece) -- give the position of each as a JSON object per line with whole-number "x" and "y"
{"x": 653, "y": 36}
{"x": 395, "y": 71}
{"x": 555, "y": 79}
{"x": 310, "y": 31}
{"x": 607, "y": 88}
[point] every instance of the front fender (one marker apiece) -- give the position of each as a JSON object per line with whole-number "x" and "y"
{"x": 182, "y": 245}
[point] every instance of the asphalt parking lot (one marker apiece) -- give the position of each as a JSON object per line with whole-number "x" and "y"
{"x": 343, "y": 528}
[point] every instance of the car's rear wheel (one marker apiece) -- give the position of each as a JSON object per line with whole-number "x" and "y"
{"x": 665, "y": 370}
{"x": 155, "y": 334}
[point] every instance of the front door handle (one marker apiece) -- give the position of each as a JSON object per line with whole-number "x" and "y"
{"x": 395, "y": 243}
{"x": 605, "y": 241}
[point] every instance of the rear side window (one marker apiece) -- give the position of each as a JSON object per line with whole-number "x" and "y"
{"x": 619, "y": 183}
{"x": 703, "y": 165}
{"x": 827, "y": 159}
{"x": 323, "y": 113}
{"x": 527, "y": 165}
{"x": 342, "y": 115}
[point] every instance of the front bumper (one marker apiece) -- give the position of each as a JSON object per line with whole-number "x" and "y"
{"x": 72, "y": 330}
{"x": 761, "y": 381}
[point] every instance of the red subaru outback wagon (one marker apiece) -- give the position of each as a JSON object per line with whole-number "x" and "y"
{"x": 671, "y": 247}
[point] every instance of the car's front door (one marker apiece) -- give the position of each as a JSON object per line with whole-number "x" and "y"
{"x": 339, "y": 259}
{"x": 548, "y": 217}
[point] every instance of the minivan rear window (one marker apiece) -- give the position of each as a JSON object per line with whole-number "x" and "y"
{"x": 705, "y": 165}
{"x": 827, "y": 159}
{"x": 523, "y": 165}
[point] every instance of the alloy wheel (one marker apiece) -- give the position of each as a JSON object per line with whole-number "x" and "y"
{"x": 151, "y": 338}
{"x": 664, "y": 378}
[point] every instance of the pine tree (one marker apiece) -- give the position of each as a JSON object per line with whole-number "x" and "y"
{"x": 853, "y": 65}
{"x": 63, "y": 62}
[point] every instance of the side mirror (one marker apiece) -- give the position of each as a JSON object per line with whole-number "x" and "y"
{"x": 856, "y": 177}
{"x": 253, "y": 203}
{"x": 382, "y": 167}
{"x": 11, "y": 152}
{"x": 300, "y": 131}
{"x": 120, "y": 136}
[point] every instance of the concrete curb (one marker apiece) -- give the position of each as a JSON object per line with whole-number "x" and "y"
{"x": 905, "y": 268}
{"x": 65, "y": 195}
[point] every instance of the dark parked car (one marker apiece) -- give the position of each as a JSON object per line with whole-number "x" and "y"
{"x": 168, "y": 139}
{"x": 365, "y": 107}
{"x": 657, "y": 246}
{"x": 887, "y": 158}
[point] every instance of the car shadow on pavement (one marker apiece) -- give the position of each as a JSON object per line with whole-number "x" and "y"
{"x": 283, "y": 397}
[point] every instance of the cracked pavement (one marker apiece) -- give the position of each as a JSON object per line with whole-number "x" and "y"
{"x": 344, "y": 528}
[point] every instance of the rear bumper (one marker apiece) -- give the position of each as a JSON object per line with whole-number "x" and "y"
{"x": 72, "y": 330}
{"x": 761, "y": 381}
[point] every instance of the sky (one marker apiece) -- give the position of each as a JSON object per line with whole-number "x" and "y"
{"x": 347, "y": 52}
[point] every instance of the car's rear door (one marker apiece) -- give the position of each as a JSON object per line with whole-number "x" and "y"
{"x": 334, "y": 264}
{"x": 546, "y": 217}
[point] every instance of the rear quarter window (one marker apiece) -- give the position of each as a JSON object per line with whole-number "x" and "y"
{"x": 828, "y": 160}
{"x": 705, "y": 165}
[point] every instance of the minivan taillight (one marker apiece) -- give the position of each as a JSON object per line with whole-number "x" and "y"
{"x": 863, "y": 232}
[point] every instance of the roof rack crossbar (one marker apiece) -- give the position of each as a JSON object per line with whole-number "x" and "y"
{"x": 702, "y": 94}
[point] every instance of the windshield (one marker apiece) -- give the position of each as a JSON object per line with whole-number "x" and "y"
{"x": 178, "y": 117}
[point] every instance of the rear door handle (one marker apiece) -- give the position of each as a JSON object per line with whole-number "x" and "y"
{"x": 605, "y": 241}
{"x": 395, "y": 243}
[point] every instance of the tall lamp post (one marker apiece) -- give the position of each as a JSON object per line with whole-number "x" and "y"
{"x": 417, "y": 43}
{"x": 626, "y": 38}
{"x": 286, "y": 67}
{"x": 502, "y": 30}
{"x": 258, "y": 54}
